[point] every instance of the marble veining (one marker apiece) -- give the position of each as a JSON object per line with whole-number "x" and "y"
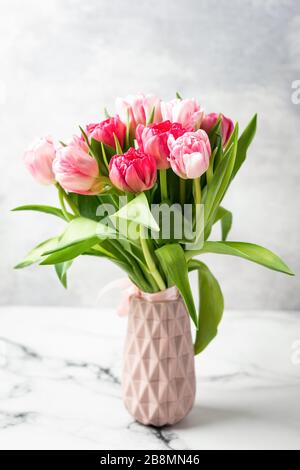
{"x": 60, "y": 384}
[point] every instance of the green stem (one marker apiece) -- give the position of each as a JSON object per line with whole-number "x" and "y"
{"x": 72, "y": 205}
{"x": 61, "y": 197}
{"x": 149, "y": 260}
{"x": 197, "y": 198}
{"x": 163, "y": 184}
{"x": 197, "y": 190}
{"x": 182, "y": 191}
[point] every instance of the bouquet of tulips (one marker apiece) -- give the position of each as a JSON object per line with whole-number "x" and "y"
{"x": 144, "y": 188}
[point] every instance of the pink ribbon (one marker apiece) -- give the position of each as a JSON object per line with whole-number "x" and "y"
{"x": 129, "y": 290}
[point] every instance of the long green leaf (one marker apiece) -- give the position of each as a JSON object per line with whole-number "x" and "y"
{"x": 79, "y": 230}
{"x": 211, "y": 305}
{"x": 216, "y": 190}
{"x": 226, "y": 218}
{"x": 244, "y": 143}
{"x": 249, "y": 251}
{"x": 35, "y": 255}
{"x": 174, "y": 265}
{"x": 69, "y": 252}
{"x": 41, "y": 208}
{"x": 61, "y": 270}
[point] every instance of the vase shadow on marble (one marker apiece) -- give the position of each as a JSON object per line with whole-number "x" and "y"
{"x": 159, "y": 367}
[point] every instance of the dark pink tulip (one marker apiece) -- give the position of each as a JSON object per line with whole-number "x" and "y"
{"x": 133, "y": 172}
{"x": 104, "y": 131}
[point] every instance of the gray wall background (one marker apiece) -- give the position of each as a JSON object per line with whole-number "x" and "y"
{"x": 63, "y": 60}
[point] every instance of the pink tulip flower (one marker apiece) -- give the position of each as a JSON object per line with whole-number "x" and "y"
{"x": 104, "y": 131}
{"x": 138, "y": 109}
{"x": 153, "y": 140}
{"x": 38, "y": 160}
{"x": 134, "y": 171}
{"x": 75, "y": 170}
{"x": 187, "y": 112}
{"x": 190, "y": 154}
{"x": 210, "y": 121}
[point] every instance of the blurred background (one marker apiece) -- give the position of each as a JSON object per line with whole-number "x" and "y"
{"x": 62, "y": 61}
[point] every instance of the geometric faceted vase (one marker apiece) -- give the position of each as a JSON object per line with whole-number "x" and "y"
{"x": 159, "y": 370}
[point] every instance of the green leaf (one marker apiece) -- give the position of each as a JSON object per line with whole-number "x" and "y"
{"x": 151, "y": 117}
{"x": 175, "y": 267}
{"x": 137, "y": 211}
{"x": 79, "y": 230}
{"x": 244, "y": 143}
{"x": 69, "y": 252}
{"x": 35, "y": 255}
{"x": 46, "y": 209}
{"x": 104, "y": 156}
{"x": 211, "y": 305}
{"x": 215, "y": 134}
{"x": 177, "y": 230}
{"x": 215, "y": 192}
{"x": 61, "y": 271}
{"x": 96, "y": 152}
{"x": 102, "y": 153}
{"x": 255, "y": 253}
{"x": 226, "y": 219}
{"x": 178, "y": 95}
{"x": 88, "y": 206}
{"x": 118, "y": 145}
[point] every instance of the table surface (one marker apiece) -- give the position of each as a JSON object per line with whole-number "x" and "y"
{"x": 60, "y": 384}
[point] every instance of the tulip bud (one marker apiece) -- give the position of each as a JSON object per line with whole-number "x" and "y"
{"x": 39, "y": 158}
{"x": 134, "y": 171}
{"x": 190, "y": 154}
{"x": 186, "y": 112}
{"x": 138, "y": 109}
{"x": 153, "y": 140}
{"x": 227, "y": 126}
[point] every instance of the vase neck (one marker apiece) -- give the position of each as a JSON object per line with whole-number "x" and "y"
{"x": 168, "y": 295}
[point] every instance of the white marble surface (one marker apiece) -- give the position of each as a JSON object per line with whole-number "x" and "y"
{"x": 60, "y": 386}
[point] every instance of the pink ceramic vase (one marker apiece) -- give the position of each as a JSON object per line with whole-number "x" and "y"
{"x": 159, "y": 367}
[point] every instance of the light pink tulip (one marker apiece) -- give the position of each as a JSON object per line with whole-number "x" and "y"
{"x": 138, "y": 109}
{"x": 153, "y": 140}
{"x": 75, "y": 170}
{"x": 39, "y": 158}
{"x": 187, "y": 112}
{"x": 210, "y": 120}
{"x": 104, "y": 131}
{"x": 190, "y": 154}
{"x": 134, "y": 171}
